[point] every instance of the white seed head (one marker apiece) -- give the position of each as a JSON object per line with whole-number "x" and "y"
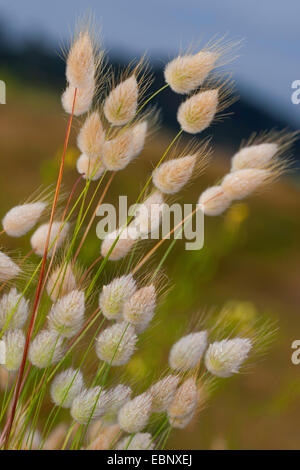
{"x": 90, "y": 404}
{"x": 83, "y": 100}
{"x": 115, "y": 294}
{"x": 20, "y": 219}
{"x": 186, "y": 73}
{"x": 58, "y": 235}
{"x": 254, "y": 156}
{"x": 185, "y": 400}
{"x": 8, "y": 269}
{"x": 121, "y": 248}
{"x": 116, "y": 344}
{"x": 197, "y": 112}
{"x": 61, "y": 282}
{"x": 119, "y": 395}
{"x": 224, "y": 358}
{"x": 139, "y": 133}
{"x": 80, "y": 61}
{"x": 13, "y": 310}
{"x": 91, "y": 136}
{"x": 14, "y": 348}
{"x": 187, "y": 352}
{"x": 163, "y": 393}
{"x": 120, "y": 105}
{"x": 214, "y": 201}
{"x": 242, "y": 183}
{"x": 118, "y": 152}
{"x": 45, "y": 349}
{"x": 140, "y": 441}
{"x": 139, "y": 309}
{"x": 182, "y": 422}
{"x": 148, "y": 215}
{"x": 66, "y": 315}
{"x": 134, "y": 415}
{"x": 171, "y": 176}
{"x": 65, "y": 387}
{"x": 90, "y": 168}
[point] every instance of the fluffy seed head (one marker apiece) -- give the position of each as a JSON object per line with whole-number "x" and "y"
{"x": 254, "y": 156}
{"x": 139, "y": 133}
{"x": 65, "y": 387}
{"x": 214, "y": 201}
{"x": 90, "y": 168}
{"x": 118, "y": 152}
{"x": 115, "y": 294}
{"x": 20, "y": 219}
{"x": 163, "y": 393}
{"x": 187, "y": 352}
{"x": 120, "y": 105}
{"x": 80, "y": 61}
{"x": 134, "y": 415}
{"x": 91, "y": 136}
{"x": 13, "y": 309}
{"x": 58, "y": 235}
{"x": 61, "y": 282}
{"x": 242, "y": 183}
{"x": 185, "y": 400}
{"x": 90, "y": 404}
{"x": 14, "y": 347}
{"x": 139, "y": 309}
{"x": 182, "y": 422}
{"x": 148, "y": 215}
{"x": 171, "y": 176}
{"x": 66, "y": 315}
{"x": 122, "y": 246}
{"x": 116, "y": 344}
{"x": 197, "y": 112}
{"x": 83, "y": 100}
{"x": 224, "y": 358}
{"x": 185, "y": 74}
{"x": 119, "y": 396}
{"x": 140, "y": 441}
{"x": 45, "y": 349}
{"x": 8, "y": 269}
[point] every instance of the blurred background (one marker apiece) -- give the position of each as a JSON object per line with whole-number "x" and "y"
{"x": 251, "y": 257}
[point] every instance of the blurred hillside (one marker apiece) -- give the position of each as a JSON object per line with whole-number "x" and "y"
{"x": 251, "y": 255}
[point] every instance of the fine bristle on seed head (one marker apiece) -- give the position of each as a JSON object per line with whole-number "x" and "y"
{"x": 254, "y": 156}
{"x": 140, "y": 441}
{"x": 242, "y": 183}
{"x": 186, "y": 73}
{"x": 171, "y": 176}
{"x": 116, "y": 344}
{"x": 83, "y": 100}
{"x": 122, "y": 241}
{"x": 61, "y": 282}
{"x": 197, "y": 113}
{"x": 185, "y": 400}
{"x": 20, "y": 219}
{"x": 214, "y": 201}
{"x": 163, "y": 393}
{"x": 81, "y": 61}
{"x": 8, "y": 269}
{"x": 91, "y": 136}
{"x": 121, "y": 104}
{"x": 225, "y": 358}
{"x": 14, "y": 348}
{"x": 139, "y": 309}
{"x": 118, "y": 152}
{"x": 90, "y": 404}
{"x": 65, "y": 387}
{"x": 187, "y": 352}
{"x": 134, "y": 415}
{"x": 45, "y": 349}
{"x": 90, "y": 168}
{"x": 58, "y": 235}
{"x": 66, "y": 315}
{"x": 115, "y": 294}
{"x": 13, "y": 310}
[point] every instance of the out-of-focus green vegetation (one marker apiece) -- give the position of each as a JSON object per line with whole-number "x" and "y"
{"x": 250, "y": 260}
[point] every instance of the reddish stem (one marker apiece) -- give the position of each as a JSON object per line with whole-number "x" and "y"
{"x": 40, "y": 283}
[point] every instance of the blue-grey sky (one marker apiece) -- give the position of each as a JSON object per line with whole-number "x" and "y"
{"x": 269, "y": 58}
